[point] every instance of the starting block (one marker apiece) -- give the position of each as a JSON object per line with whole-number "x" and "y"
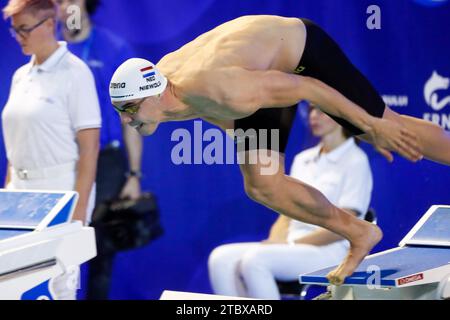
{"x": 38, "y": 242}
{"x": 418, "y": 269}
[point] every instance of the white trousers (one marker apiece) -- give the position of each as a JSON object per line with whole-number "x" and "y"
{"x": 251, "y": 269}
{"x": 65, "y": 286}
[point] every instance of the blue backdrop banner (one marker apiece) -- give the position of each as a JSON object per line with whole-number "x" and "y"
{"x": 202, "y": 206}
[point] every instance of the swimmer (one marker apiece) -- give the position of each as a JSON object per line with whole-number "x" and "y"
{"x": 245, "y": 74}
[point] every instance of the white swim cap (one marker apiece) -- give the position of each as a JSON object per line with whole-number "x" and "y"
{"x": 136, "y": 78}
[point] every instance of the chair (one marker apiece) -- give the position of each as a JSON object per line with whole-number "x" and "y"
{"x": 293, "y": 290}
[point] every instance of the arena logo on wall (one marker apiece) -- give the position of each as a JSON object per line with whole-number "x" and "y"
{"x": 432, "y": 3}
{"x": 437, "y": 97}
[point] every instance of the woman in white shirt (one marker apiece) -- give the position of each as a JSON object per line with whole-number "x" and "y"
{"x": 340, "y": 170}
{"x": 51, "y": 121}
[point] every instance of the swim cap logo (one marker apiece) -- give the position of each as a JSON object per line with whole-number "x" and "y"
{"x": 117, "y": 85}
{"x": 149, "y": 75}
{"x": 146, "y": 72}
{"x": 150, "y": 86}
{"x": 435, "y": 83}
{"x": 431, "y": 3}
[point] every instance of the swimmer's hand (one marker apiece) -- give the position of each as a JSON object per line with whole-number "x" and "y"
{"x": 390, "y": 135}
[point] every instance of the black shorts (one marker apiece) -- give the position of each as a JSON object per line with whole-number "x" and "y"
{"x": 322, "y": 59}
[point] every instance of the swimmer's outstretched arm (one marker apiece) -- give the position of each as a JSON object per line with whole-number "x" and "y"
{"x": 268, "y": 89}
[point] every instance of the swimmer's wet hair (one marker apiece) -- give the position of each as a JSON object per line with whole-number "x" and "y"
{"x": 41, "y": 8}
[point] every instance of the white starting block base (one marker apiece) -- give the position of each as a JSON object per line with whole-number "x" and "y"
{"x": 38, "y": 244}
{"x": 426, "y": 292}
{"x": 418, "y": 269}
{"x": 178, "y": 295}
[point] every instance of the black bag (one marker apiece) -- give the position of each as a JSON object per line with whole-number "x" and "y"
{"x": 126, "y": 224}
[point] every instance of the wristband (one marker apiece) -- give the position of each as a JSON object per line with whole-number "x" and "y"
{"x": 133, "y": 173}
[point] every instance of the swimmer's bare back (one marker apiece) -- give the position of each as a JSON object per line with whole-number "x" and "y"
{"x": 249, "y": 64}
{"x": 210, "y": 72}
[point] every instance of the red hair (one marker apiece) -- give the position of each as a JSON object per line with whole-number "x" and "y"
{"x": 35, "y": 7}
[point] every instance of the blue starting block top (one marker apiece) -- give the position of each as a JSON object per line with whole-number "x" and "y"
{"x": 26, "y": 211}
{"x": 425, "y": 247}
{"x": 433, "y": 229}
{"x": 393, "y": 265}
{"x": 6, "y": 233}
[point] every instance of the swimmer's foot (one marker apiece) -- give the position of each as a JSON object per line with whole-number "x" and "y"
{"x": 359, "y": 247}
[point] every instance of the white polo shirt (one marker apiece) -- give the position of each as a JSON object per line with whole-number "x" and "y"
{"x": 342, "y": 175}
{"x": 47, "y": 105}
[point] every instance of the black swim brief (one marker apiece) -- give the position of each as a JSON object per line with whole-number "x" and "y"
{"x": 322, "y": 59}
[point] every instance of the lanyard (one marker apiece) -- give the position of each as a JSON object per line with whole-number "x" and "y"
{"x": 85, "y": 56}
{"x": 87, "y": 46}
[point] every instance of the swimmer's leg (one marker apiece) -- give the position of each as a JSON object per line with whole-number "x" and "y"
{"x": 300, "y": 201}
